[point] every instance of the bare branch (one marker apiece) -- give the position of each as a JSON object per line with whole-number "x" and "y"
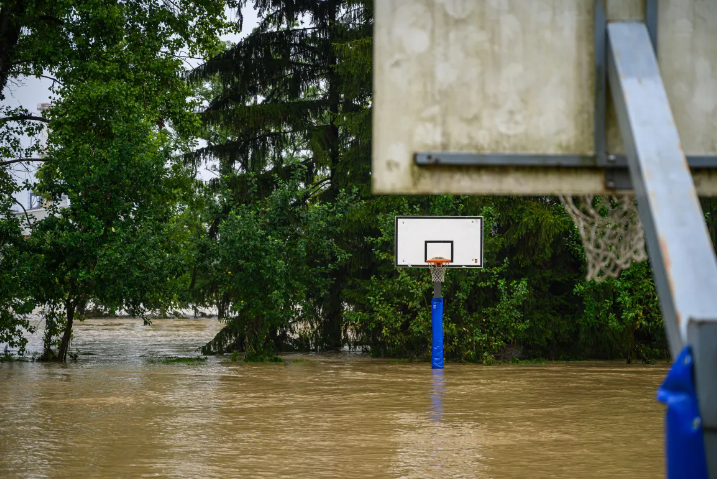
{"x": 51, "y": 19}
{"x": 21, "y": 160}
{"x": 27, "y": 217}
{"x": 23, "y": 118}
{"x": 15, "y": 72}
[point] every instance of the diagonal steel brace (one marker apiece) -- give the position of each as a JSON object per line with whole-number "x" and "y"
{"x": 681, "y": 253}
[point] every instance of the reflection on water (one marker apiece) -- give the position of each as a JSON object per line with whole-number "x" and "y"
{"x": 439, "y": 386}
{"x": 119, "y": 413}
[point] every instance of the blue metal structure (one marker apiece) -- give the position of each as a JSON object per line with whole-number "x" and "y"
{"x": 684, "y": 440}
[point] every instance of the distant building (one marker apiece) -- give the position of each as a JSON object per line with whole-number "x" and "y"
{"x": 27, "y": 202}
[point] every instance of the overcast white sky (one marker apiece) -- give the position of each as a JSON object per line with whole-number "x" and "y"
{"x": 29, "y": 92}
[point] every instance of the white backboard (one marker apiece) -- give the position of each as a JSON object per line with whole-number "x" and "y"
{"x": 518, "y": 76}
{"x": 458, "y": 238}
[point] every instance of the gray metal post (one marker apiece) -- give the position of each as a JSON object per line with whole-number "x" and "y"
{"x": 436, "y": 289}
{"x": 681, "y": 253}
{"x": 702, "y": 336}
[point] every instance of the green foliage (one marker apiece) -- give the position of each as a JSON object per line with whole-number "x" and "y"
{"x": 622, "y": 317}
{"x": 289, "y": 91}
{"x": 9, "y": 358}
{"x": 15, "y": 274}
{"x": 293, "y": 89}
{"x": 271, "y": 264}
{"x": 391, "y": 313}
{"x": 121, "y": 114}
{"x": 263, "y": 358}
{"x": 530, "y": 301}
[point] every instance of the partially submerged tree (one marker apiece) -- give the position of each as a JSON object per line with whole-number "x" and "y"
{"x": 122, "y": 113}
{"x": 273, "y": 259}
{"x": 296, "y": 87}
{"x": 15, "y": 275}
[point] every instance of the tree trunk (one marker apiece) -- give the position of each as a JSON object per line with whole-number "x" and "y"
{"x": 65, "y": 344}
{"x": 334, "y": 99}
{"x": 630, "y": 344}
{"x": 331, "y": 336}
{"x": 10, "y": 27}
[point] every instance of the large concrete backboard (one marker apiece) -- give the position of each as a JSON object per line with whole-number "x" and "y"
{"x": 518, "y": 76}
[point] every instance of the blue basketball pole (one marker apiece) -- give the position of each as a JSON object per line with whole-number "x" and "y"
{"x": 437, "y": 327}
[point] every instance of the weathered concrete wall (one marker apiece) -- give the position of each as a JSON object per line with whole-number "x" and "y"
{"x": 687, "y": 52}
{"x": 517, "y": 76}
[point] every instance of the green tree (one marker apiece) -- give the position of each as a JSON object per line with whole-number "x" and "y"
{"x": 121, "y": 114}
{"x": 272, "y": 259}
{"x": 622, "y": 317}
{"x": 293, "y": 88}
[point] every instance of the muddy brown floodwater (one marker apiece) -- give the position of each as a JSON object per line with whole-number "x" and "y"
{"x": 122, "y": 413}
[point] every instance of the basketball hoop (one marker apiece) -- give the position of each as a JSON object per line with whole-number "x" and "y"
{"x": 436, "y": 242}
{"x": 611, "y": 231}
{"x": 438, "y": 268}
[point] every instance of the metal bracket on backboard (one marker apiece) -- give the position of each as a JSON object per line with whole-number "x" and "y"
{"x": 617, "y": 175}
{"x": 618, "y": 162}
{"x": 600, "y": 114}
{"x": 618, "y": 179}
{"x": 651, "y": 22}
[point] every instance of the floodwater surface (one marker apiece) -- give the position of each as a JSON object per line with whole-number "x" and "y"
{"x": 122, "y": 412}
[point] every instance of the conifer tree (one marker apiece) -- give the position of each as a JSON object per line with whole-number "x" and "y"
{"x": 297, "y": 87}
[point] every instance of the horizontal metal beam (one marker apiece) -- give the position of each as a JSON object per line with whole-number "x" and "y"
{"x": 520, "y": 159}
{"x": 503, "y": 159}
{"x": 695, "y": 162}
